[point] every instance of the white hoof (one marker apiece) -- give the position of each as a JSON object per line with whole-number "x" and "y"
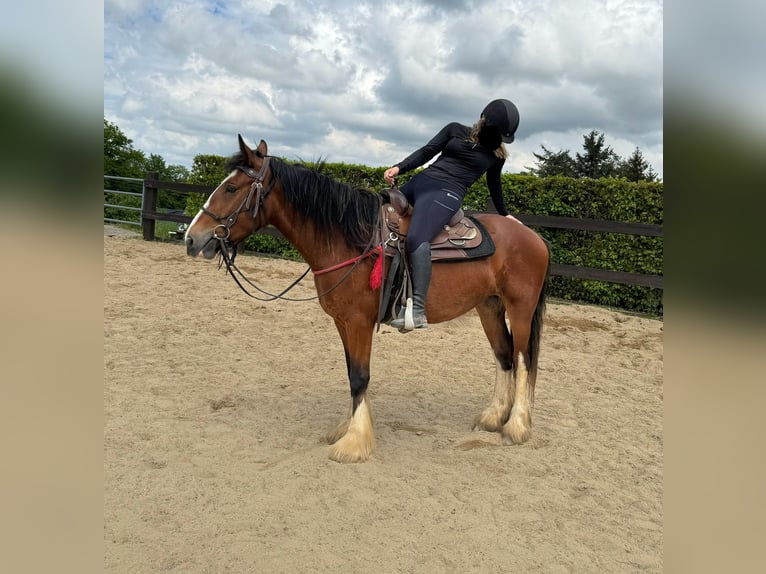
{"x": 358, "y": 442}
{"x": 517, "y": 430}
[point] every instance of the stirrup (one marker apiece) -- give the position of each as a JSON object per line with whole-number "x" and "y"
{"x": 409, "y": 320}
{"x": 402, "y": 322}
{"x": 419, "y": 322}
{"x": 399, "y": 317}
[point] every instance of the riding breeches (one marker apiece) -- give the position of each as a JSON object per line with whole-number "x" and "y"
{"x": 434, "y": 203}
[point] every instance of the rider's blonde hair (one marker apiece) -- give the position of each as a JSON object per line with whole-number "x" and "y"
{"x": 473, "y": 137}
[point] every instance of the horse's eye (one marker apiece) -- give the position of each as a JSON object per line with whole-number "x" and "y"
{"x": 230, "y": 189}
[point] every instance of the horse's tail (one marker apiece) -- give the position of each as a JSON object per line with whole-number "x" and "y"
{"x": 536, "y": 328}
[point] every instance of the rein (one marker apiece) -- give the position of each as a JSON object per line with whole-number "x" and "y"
{"x": 373, "y": 251}
{"x": 226, "y": 247}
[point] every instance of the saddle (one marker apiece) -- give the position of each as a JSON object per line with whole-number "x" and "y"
{"x": 462, "y": 237}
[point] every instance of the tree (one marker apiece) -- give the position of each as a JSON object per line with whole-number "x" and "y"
{"x": 598, "y": 159}
{"x": 156, "y": 163}
{"x": 208, "y": 169}
{"x": 554, "y": 163}
{"x": 168, "y": 199}
{"x": 120, "y": 158}
{"x": 636, "y": 168}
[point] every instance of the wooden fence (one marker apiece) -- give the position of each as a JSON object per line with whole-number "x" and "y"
{"x": 150, "y": 214}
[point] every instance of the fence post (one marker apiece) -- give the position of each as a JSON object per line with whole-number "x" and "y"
{"x": 149, "y": 204}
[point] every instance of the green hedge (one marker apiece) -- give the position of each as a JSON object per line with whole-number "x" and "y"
{"x": 609, "y": 199}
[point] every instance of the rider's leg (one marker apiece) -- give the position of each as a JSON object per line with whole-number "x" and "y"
{"x": 433, "y": 210}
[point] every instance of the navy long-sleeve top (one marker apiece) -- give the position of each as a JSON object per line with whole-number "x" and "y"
{"x": 461, "y": 162}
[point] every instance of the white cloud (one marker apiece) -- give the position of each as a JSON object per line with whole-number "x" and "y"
{"x": 368, "y": 82}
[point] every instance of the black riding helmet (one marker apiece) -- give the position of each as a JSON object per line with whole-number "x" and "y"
{"x": 503, "y": 115}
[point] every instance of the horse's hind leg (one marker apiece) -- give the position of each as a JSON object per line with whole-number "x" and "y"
{"x": 492, "y": 315}
{"x": 519, "y": 426}
{"x": 353, "y": 440}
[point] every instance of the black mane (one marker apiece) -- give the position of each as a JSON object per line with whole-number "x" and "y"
{"x": 334, "y": 207}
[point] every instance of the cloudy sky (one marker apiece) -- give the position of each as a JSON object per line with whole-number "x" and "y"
{"x": 368, "y": 82}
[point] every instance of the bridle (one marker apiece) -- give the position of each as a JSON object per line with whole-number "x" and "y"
{"x": 256, "y": 197}
{"x": 256, "y": 189}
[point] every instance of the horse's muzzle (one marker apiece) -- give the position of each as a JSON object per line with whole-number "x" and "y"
{"x": 207, "y": 245}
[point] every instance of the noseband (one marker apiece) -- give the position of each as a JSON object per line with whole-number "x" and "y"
{"x": 256, "y": 189}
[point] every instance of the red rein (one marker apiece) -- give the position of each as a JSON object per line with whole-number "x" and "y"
{"x": 376, "y": 276}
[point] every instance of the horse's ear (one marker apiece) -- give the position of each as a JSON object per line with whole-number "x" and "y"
{"x": 246, "y": 151}
{"x": 262, "y": 149}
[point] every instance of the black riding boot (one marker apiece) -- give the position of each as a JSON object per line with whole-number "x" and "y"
{"x": 420, "y": 266}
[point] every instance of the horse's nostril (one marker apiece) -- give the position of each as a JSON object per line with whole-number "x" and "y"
{"x": 189, "y": 241}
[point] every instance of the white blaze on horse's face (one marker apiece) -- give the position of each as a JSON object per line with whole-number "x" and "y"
{"x": 207, "y": 203}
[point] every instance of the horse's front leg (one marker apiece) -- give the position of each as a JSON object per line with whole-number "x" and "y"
{"x": 353, "y": 440}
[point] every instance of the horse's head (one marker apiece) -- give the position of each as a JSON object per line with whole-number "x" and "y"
{"x": 232, "y": 212}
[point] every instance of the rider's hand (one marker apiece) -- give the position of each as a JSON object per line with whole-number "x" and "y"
{"x": 390, "y": 174}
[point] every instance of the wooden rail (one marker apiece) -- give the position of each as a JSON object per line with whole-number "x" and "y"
{"x": 150, "y": 215}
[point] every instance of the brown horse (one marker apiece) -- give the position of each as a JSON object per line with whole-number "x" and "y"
{"x": 329, "y": 223}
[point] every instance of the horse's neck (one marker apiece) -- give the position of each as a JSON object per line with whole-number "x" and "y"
{"x": 312, "y": 245}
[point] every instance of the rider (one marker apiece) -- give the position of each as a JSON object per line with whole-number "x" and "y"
{"x": 437, "y": 192}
